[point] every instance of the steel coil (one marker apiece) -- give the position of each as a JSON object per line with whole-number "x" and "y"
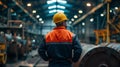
{"x": 115, "y": 46}
{"x": 98, "y": 56}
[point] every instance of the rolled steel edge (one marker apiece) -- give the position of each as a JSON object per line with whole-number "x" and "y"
{"x": 89, "y": 50}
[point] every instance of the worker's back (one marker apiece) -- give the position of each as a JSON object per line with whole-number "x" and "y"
{"x": 59, "y": 43}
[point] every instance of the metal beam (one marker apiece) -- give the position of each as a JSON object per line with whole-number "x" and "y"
{"x": 25, "y": 10}
{"x": 90, "y": 12}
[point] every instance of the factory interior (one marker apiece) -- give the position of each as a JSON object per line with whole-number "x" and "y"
{"x": 24, "y": 23}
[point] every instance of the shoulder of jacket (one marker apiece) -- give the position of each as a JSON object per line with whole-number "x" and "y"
{"x": 71, "y": 33}
{"x": 49, "y": 33}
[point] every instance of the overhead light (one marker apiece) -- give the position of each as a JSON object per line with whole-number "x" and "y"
{"x": 101, "y": 15}
{"x": 75, "y": 16}
{"x": 53, "y": 11}
{"x": 40, "y": 19}
{"x": 20, "y": 25}
{"x": 51, "y": 7}
{"x": 60, "y": 11}
{"x": 83, "y": 24}
{"x": 59, "y": 1}
{"x": 62, "y": 1}
{"x": 116, "y": 8}
{"x": 29, "y": 4}
{"x": 33, "y": 40}
{"x": 56, "y": 6}
{"x": 80, "y": 11}
{"x": 37, "y": 16}
{"x": 51, "y": 1}
{"x": 91, "y": 20}
{"x": 59, "y": 6}
{"x": 88, "y": 4}
{"x": 34, "y": 11}
{"x": 72, "y": 19}
{"x": 110, "y": 11}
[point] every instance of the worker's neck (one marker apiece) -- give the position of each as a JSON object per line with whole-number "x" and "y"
{"x": 62, "y": 26}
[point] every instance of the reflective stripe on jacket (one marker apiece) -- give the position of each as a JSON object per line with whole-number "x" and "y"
{"x": 58, "y": 45}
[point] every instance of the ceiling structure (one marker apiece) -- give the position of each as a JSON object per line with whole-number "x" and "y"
{"x": 41, "y": 7}
{"x": 71, "y": 7}
{"x": 39, "y": 10}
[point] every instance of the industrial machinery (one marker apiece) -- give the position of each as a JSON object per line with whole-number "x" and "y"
{"x": 11, "y": 45}
{"x": 3, "y": 55}
{"x": 112, "y": 31}
{"x": 14, "y": 42}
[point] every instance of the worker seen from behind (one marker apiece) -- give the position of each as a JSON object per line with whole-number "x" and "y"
{"x": 60, "y": 46}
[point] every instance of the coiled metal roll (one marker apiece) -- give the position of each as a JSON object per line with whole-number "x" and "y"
{"x": 99, "y": 56}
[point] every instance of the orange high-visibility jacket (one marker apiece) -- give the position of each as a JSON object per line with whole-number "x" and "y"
{"x": 58, "y": 45}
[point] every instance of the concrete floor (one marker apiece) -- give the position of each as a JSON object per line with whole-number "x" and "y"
{"x": 30, "y": 61}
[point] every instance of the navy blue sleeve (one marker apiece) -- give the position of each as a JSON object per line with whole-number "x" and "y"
{"x": 77, "y": 50}
{"x": 42, "y": 50}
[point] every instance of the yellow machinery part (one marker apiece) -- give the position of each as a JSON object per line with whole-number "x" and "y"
{"x": 100, "y": 33}
{"x": 103, "y": 33}
{"x": 3, "y": 55}
{"x": 3, "y": 58}
{"x": 2, "y": 46}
